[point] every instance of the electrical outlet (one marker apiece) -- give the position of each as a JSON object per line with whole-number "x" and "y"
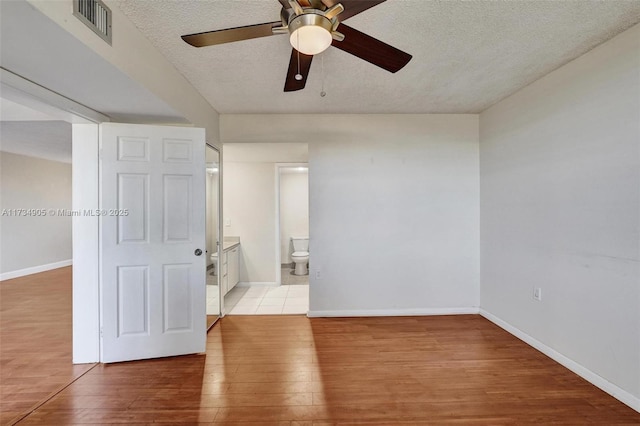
{"x": 537, "y": 294}
{"x": 318, "y": 274}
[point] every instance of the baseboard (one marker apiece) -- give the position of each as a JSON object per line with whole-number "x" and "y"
{"x": 257, "y": 283}
{"x": 593, "y": 378}
{"x": 394, "y": 312}
{"x": 34, "y": 269}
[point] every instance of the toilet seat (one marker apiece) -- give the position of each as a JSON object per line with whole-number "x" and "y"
{"x": 300, "y": 254}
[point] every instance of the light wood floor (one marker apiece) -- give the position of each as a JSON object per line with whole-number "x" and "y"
{"x": 291, "y": 370}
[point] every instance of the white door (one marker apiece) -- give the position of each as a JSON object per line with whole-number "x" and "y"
{"x": 152, "y": 241}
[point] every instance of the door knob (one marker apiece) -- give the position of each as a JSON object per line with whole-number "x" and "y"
{"x": 198, "y": 252}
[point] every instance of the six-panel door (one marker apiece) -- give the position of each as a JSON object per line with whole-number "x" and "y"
{"x": 152, "y": 224}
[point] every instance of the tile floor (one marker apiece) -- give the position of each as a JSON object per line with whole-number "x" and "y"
{"x": 287, "y": 277}
{"x": 265, "y": 300}
{"x": 212, "y": 300}
{"x": 212, "y": 294}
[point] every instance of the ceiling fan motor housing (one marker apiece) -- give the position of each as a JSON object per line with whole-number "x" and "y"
{"x": 310, "y": 18}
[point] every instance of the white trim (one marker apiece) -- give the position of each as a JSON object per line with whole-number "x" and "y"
{"x": 257, "y": 283}
{"x": 221, "y": 223}
{"x": 28, "y": 93}
{"x": 277, "y": 225}
{"x": 35, "y": 269}
{"x": 86, "y": 244}
{"x": 394, "y": 312}
{"x": 593, "y": 378}
{"x": 218, "y": 209}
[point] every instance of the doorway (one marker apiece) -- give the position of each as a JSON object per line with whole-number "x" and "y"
{"x": 212, "y": 188}
{"x": 53, "y": 124}
{"x": 251, "y": 218}
{"x": 35, "y": 191}
{"x": 292, "y": 228}
{"x": 289, "y": 294}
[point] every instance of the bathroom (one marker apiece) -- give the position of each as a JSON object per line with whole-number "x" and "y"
{"x": 294, "y": 224}
{"x": 266, "y": 208}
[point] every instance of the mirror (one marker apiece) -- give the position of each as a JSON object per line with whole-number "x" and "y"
{"x": 213, "y": 228}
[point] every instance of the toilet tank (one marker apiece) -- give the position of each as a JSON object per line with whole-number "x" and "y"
{"x": 300, "y": 243}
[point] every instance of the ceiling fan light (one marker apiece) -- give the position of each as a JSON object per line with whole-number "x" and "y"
{"x": 310, "y": 33}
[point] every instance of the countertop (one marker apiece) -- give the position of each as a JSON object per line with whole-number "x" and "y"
{"x": 228, "y": 245}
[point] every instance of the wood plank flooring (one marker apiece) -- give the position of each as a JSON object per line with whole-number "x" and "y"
{"x": 35, "y": 340}
{"x": 291, "y": 370}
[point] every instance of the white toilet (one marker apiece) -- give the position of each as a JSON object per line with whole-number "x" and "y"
{"x": 300, "y": 255}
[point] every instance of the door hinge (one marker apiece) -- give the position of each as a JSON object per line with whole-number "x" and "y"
{"x": 100, "y": 332}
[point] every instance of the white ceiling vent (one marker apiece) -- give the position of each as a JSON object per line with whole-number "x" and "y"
{"x": 95, "y": 15}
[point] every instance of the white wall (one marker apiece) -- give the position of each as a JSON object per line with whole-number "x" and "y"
{"x": 294, "y": 210}
{"x": 560, "y": 210}
{"x": 249, "y": 209}
{"x": 394, "y": 203}
{"x": 394, "y": 216}
{"x": 29, "y": 242}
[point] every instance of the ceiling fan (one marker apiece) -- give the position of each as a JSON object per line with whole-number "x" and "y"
{"x": 312, "y": 26}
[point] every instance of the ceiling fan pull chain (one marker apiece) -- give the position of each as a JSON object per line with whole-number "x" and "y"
{"x": 322, "y": 92}
{"x": 298, "y": 76}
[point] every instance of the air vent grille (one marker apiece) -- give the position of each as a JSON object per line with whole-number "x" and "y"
{"x": 95, "y": 15}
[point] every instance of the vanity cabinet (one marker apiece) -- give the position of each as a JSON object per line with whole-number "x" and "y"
{"x": 233, "y": 267}
{"x": 230, "y": 269}
{"x": 224, "y": 282}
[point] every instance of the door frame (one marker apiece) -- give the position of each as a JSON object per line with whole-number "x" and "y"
{"x": 84, "y": 183}
{"x": 279, "y": 166}
{"x": 220, "y": 235}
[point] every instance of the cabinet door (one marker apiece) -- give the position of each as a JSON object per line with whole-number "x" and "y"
{"x": 224, "y": 284}
{"x": 233, "y": 267}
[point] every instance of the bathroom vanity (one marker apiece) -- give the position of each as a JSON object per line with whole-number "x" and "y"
{"x": 230, "y": 265}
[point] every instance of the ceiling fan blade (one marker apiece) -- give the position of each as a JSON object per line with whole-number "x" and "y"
{"x": 291, "y": 84}
{"x": 229, "y": 35}
{"x": 371, "y": 50}
{"x": 303, "y": 3}
{"x": 352, "y": 7}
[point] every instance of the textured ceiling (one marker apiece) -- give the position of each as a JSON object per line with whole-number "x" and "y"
{"x": 467, "y": 55}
